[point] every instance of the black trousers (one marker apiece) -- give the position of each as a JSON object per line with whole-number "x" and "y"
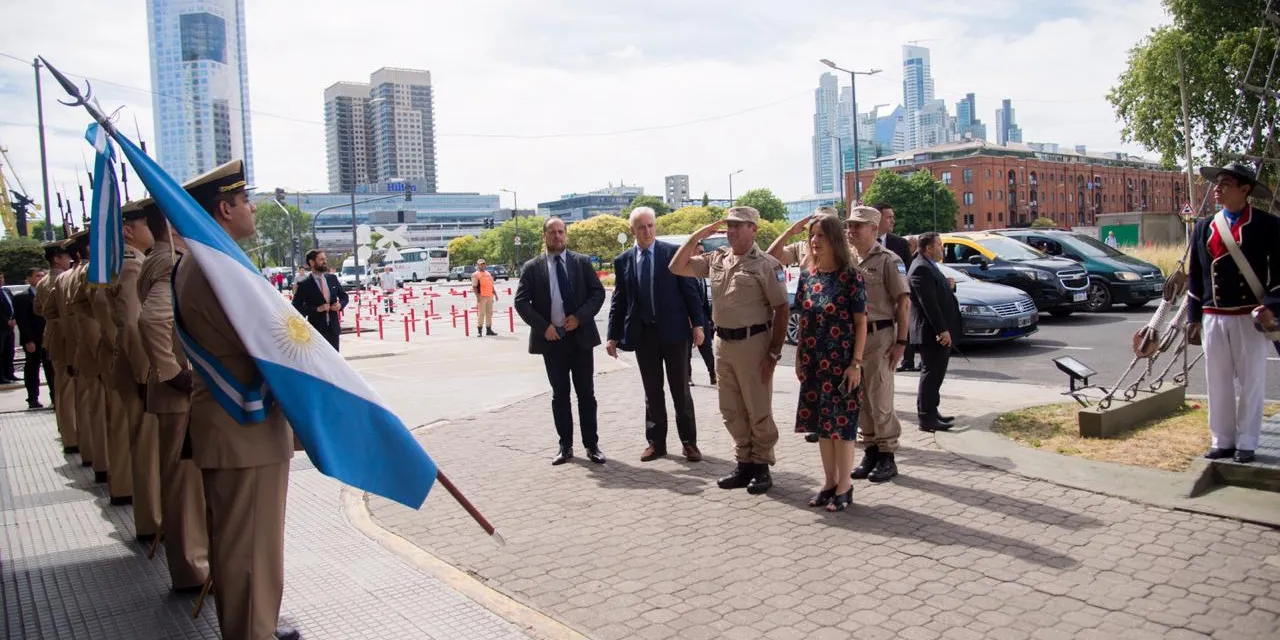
{"x": 708, "y": 356}
{"x": 909, "y": 356}
{"x": 6, "y": 353}
{"x": 31, "y": 374}
{"x": 933, "y": 369}
{"x": 653, "y": 356}
{"x": 567, "y": 362}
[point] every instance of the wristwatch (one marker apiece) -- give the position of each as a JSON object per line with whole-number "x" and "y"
{"x": 902, "y": 341}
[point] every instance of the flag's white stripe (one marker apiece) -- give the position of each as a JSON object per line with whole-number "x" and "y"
{"x": 256, "y": 303}
{"x": 226, "y": 387}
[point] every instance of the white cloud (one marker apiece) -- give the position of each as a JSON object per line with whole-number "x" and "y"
{"x": 585, "y": 67}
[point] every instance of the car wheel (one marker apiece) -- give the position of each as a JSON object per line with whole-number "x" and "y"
{"x": 1061, "y": 313}
{"x": 793, "y": 327}
{"x": 1137, "y": 305}
{"x": 1099, "y": 297}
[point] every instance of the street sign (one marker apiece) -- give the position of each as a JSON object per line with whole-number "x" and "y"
{"x": 1186, "y": 209}
{"x": 400, "y": 236}
{"x": 362, "y": 234}
{"x": 364, "y": 252}
{"x": 516, "y": 241}
{"x": 392, "y": 255}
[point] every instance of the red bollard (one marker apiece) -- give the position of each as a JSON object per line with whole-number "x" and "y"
{"x": 511, "y": 318}
{"x": 466, "y": 324}
{"x": 357, "y": 325}
{"x": 379, "y": 327}
{"x": 406, "y": 328}
{"x": 431, "y": 307}
{"x": 426, "y": 326}
{"x": 454, "y": 315}
{"x": 508, "y": 290}
{"x": 464, "y": 294}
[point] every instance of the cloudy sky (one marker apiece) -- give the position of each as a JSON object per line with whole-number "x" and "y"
{"x": 556, "y": 96}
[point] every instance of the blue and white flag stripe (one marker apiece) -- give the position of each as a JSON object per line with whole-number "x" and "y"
{"x": 346, "y": 428}
{"x": 106, "y": 235}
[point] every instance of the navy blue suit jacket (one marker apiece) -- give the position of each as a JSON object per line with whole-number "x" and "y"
{"x": 533, "y": 300}
{"x": 675, "y": 299}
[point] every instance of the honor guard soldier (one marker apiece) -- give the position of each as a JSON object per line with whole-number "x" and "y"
{"x": 888, "y": 309}
{"x": 129, "y": 373}
{"x": 749, "y": 308}
{"x": 119, "y": 451}
{"x": 48, "y": 305}
{"x": 77, "y": 318}
{"x": 1234, "y": 267}
{"x": 186, "y": 537}
{"x": 245, "y": 464}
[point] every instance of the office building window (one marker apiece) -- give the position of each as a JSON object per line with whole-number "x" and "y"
{"x": 204, "y": 37}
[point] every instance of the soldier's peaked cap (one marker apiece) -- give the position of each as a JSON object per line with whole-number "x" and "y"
{"x": 228, "y": 178}
{"x": 138, "y": 209}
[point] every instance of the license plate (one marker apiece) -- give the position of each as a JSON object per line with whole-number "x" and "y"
{"x": 1024, "y": 321}
{"x": 1157, "y": 287}
{"x": 1080, "y": 297}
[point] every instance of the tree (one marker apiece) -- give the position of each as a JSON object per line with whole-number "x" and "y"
{"x": 1216, "y": 41}
{"x": 465, "y": 250}
{"x": 914, "y": 198}
{"x": 769, "y": 230}
{"x": 17, "y": 255}
{"x": 763, "y": 200}
{"x": 706, "y": 199}
{"x": 658, "y": 205}
{"x": 598, "y": 237}
{"x": 1043, "y": 223}
{"x": 498, "y": 244}
{"x": 272, "y": 222}
{"x": 36, "y": 232}
{"x": 686, "y": 220}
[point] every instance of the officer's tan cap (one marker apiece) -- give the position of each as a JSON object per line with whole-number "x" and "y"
{"x": 228, "y": 178}
{"x": 861, "y": 214}
{"x": 138, "y": 209}
{"x": 744, "y": 214}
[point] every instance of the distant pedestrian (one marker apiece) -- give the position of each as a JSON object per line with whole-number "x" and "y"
{"x": 935, "y": 324}
{"x": 486, "y": 295}
{"x": 1111, "y": 240}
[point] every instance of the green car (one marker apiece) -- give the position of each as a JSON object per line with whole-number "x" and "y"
{"x": 1114, "y": 276}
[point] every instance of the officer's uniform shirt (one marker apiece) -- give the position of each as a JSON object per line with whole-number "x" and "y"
{"x": 795, "y": 253}
{"x": 744, "y": 289}
{"x": 886, "y": 279}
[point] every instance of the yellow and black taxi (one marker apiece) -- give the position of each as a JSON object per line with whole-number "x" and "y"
{"x": 1057, "y": 285}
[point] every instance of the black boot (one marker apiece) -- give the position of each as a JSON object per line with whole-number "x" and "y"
{"x": 868, "y": 463}
{"x": 885, "y": 469}
{"x": 740, "y": 477}
{"x": 761, "y": 481}
{"x": 488, "y": 331}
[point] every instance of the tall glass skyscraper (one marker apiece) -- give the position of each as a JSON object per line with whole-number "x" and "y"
{"x": 917, "y": 89}
{"x": 826, "y": 144}
{"x": 200, "y": 80}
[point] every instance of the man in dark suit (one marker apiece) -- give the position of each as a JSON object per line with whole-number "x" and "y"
{"x": 657, "y": 314}
{"x": 320, "y": 297}
{"x": 558, "y": 297}
{"x": 8, "y": 322}
{"x": 708, "y": 329}
{"x": 900, "y": 246}
{"x": 31, "y": 335}
{"x": 935, "y": 324}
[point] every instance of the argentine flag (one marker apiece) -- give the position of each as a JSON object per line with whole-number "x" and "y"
{"x": 106, "y": 235}
{"x": 346, "y": 429}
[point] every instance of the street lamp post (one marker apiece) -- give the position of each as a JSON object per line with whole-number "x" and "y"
{"x": 355, "y": 248}
{"x": 515, "y": 213}
{"x": 853, "y": 94}
{"x": 293, "y": 234}
{"x": 731, "y": 175}
{"x": 840, "y": 160}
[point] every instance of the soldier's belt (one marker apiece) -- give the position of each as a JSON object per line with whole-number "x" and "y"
{"x": 742, "y": 333}
{"x": 876, "y": 325}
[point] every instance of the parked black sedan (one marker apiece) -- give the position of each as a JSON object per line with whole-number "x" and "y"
{"x": 991, "y": 312}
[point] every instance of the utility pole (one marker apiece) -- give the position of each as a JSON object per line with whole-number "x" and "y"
{"x": 853, "y": 106}
{"x": 44, "y": 161}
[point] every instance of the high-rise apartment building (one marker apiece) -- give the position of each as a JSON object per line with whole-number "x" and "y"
{"x": 200, "y": 85}
{"x": 677, "y": 191}
{"x": 381, "y": 131}
{"x": 968, "y": 126}
{"x": 1007, "y": 129}
{"x": 826, "y": 144}
{"x": 917, "y": 89}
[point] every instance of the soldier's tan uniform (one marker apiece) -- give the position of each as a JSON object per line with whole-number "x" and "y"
{"x": 119, "y": 452}
{"x": 885, "y": 279}
{"x": 90, "y": 421}
{"x": 795, "y": 253}
{"x": 129, "y": 372}
{"x": 744, "y": 291}
{"x": 186, "y": 538}
{"x": 48, "y": 305}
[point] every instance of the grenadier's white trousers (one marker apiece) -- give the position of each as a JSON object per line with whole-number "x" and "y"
{"x": 1235, "y": 367}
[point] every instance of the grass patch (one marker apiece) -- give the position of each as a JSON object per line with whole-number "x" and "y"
{"x": 1164, "y": 256}
{"x": 1170, "y": 443}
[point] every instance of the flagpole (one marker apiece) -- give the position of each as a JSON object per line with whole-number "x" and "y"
{"x": 44, "y": 163}
{"x": 471, "y": 509}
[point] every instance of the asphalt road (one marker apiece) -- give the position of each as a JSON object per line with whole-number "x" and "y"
{"x": 1100, "y": 340}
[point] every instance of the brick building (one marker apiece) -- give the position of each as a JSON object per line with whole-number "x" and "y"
{"x": 1007, "y": 186}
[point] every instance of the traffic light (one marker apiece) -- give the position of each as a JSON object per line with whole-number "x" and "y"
{"x": 280, "y": 196}
{"x": 296, "y": 247}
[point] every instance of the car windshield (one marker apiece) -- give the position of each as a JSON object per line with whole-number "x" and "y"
{"x": 1010, "y": 249}
{"x": 1087, "y": 247}
{"x": 351, "y": 270}
{"x": 955, "y": 274}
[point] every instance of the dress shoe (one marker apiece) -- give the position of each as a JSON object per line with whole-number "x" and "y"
{"x": 761, "y": 481}
{"x": 100, "y": 476}
{"x": 652, "y": 453}
{"x": 868, "y": 463}
{"x": 145, "y": 538}
{"x": 691, "y": 453}
{"x": 812, "y": 436}
{"x": 946, "y": 419}
{"x": 1218, "y": 454}
{"x": 189, "y": 591}
{"x": 565, "y": 455}
{"x": 287, "y": 632}
{"x": 1244, "y": 456}
{"x": 929, "y": 424}
{"x": 121, "y": 501}
{"x": 595, "y": 455}
{"x": 34, "y": 405}
{"x": 70, "y": 450}
{"x": 885, "y": 468}
{"x": 906, "y": 368}
{"x": 740, "y": 477}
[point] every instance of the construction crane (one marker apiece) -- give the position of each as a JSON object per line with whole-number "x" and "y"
{"x": 13, "y": 202}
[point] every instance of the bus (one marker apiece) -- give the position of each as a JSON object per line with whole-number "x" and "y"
{"x": 416, "y": 264}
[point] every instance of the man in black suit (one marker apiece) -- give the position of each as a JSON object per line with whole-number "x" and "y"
{"x": 31, "y": 335}
{"x": 657, "y": 314}
{"x": 708, "y": 329}
{"x": 558, "y": 297}
{"x": 935, "y": 323}
{"x": 900, "y": 246}
{"x": 320, "y": 297}
{"x": 8, "y": 322}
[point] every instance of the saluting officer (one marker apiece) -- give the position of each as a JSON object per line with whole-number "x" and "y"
{"x": 749, "y": 308}
{"x": 186, "y": 536}
{"x": 48, "y": 305}
{"x": 793, "y": 254}
{"x": 129, "y": 373}
{"x": 888, "y": 309}
{"x": 245, "y": 465}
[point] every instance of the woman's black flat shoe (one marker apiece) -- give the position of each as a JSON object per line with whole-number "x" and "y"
{"x": 823, "y": 498}
{"x": 841, "y": 501}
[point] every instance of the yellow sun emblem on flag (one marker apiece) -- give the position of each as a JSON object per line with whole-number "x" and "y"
{"x": 297, "y": 330}
{"x": 294, "y": 336}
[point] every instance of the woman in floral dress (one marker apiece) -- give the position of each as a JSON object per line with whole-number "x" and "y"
{"x": 832, "y": 335}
